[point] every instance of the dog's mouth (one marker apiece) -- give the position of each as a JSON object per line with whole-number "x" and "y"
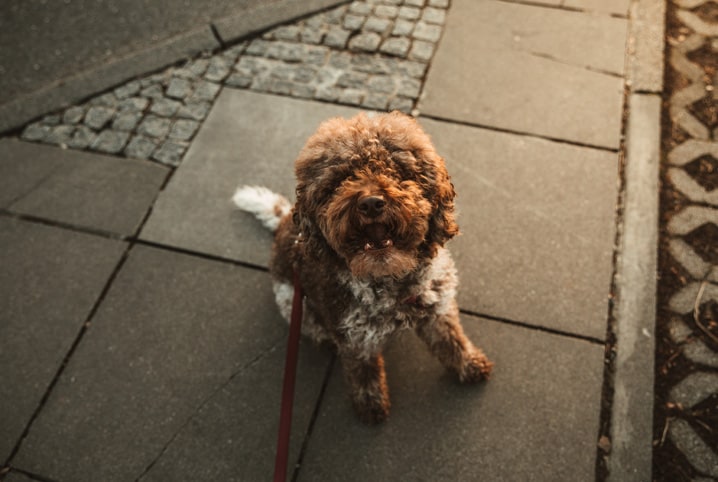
{"x": 377, "y": 237}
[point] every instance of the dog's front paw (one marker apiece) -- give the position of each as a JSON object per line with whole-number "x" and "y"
{"x": 372, "y": 408}
{"x": 476, "y": 367}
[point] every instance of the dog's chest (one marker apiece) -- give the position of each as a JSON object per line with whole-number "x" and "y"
{"x": 378, "y": 309}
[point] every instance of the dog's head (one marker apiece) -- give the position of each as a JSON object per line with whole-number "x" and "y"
{"x": 374, "y": 191}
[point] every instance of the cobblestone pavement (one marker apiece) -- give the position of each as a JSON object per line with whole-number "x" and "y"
{"x": 369, "y": 53}
{"x": 686, "y": 422}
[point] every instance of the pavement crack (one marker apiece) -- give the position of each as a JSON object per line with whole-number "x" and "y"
{"x": 44, "y": 179}
{"x": 269, "y": 349}
{"x": 543, "y": 55}
{"x": 315, "y": 416}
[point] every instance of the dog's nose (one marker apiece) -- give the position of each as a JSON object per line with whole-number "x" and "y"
{"x": 371, "y": 206}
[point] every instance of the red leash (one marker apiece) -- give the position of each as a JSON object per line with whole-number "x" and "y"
{"x": 290, "y": 374}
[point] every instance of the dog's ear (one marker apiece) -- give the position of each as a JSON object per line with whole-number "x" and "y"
{"x": 442, "y": 224}
{"x": 305, "y": 218}
{"x": 302, "y": 208}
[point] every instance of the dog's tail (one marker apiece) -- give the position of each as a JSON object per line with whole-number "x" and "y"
{"x": 267, "y": 206}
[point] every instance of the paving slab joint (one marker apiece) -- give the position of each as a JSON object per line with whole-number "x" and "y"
{"x": 217, "y": 36}
{"x": 78, "y": 339}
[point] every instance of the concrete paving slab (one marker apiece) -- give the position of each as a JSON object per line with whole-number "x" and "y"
{"x": 233, "y": 437}
{"x": 79, "y": 188}
{"x": 537, "y": 224}
{"x": 49, "y": 281}
{"x": 536, "y": 419}
{"x": 509, "y": 66}
{"x": 171, "y": 333}
{"x": 248, "y": 138}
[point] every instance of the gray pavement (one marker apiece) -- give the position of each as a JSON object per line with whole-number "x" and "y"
{"x": 139, "y": 334}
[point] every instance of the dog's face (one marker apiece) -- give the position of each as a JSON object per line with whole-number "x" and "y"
{"x": 376, "y": 193}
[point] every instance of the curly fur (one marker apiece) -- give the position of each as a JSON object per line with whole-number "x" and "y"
{"x": 366, "y": 272}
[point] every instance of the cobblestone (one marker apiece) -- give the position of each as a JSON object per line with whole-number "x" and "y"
{"x": 378, "y": 25}
{"x": 410, "y": 13}
{"x": 97, "y": 117}
{"x": 126, "y": 120}
{"x": 362, "y": 8}
{"x": 402, "y": 28}
{"x": 194, "y": 110}
{"x": 389, "y": 11}
{"x": 110, "y": 141}
{"x": 218, "y": 69}
{"x": 73, "y": 115}
{"x": 170, "y": 153}
{"x": 424, "y": 31}
{"x": 153, "y": 91}
{"x": 51, "y": 120}
{"x": 366, "y": 42}
{"x": 127, "y": 90}
{"x": 36, "y": 132}
{"x": 106, "y": 100}
{"x": 154, "y": 126}
{"x": 434, "y": 15}
{"x": 60, "y": 135}
{"x": 179, "y": 88}
{"x": 82, "y": 138}
{"x": 369, "y": 53}
{"x": 165, "y": 107}
{"x": 336, "y": 37}
{"x": 140, "y": 147}
{"x": 421, "y": 50}
{"x": 184, "y": 129}
{"x": 353, "y": 22}
{"x": 396, "y": 46}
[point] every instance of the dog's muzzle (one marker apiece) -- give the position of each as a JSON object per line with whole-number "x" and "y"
{"x": 377, "y": 237}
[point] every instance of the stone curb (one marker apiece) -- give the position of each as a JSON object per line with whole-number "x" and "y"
{"x": 637, "y": 261}
{"x": 72, "y": 90}
{"x": 233, "y": 28}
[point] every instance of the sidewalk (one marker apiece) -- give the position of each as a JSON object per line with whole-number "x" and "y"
{"x": 140, "y": 339}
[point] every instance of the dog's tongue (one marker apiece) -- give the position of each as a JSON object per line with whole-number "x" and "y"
{"x": 377, "y": 236}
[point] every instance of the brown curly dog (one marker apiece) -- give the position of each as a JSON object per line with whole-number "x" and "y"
{"x": 375, "y": 206}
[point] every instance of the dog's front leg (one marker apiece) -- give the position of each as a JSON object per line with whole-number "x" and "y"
{"x": 445, "y": 338}
{"x": 367, "y": 384}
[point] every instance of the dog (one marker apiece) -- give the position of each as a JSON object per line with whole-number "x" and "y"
{"x": 366, "y": 238}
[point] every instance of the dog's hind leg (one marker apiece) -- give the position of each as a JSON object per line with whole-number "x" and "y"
{"x": 446, "y": 340}
{"x": 367, "y": 385}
